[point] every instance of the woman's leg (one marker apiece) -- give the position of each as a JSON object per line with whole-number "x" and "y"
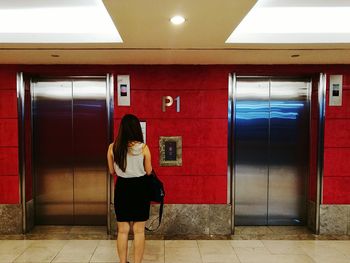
{"x": 122, "y": 241}
{"x": 139, "y": 240}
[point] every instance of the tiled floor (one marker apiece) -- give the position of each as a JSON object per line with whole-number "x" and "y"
{"x": 179, "y": 251}
{"x": 249, "y": 244}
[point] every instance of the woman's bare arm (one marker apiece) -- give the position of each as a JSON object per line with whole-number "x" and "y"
{"x": 147, "y": 160}
{"x": 110, "y": 159}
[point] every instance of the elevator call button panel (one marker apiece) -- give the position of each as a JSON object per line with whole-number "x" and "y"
{"x": 335, "y": 90}
{"x": 123, "y": 90}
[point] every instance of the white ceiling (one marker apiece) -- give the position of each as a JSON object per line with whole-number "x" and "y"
{"x": 149, "y": 38}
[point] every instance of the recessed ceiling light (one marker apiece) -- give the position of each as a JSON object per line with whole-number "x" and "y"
{"x": 56, "y": 21}
{"x": 295, "y": 21}
{"x": 177, "y": 20}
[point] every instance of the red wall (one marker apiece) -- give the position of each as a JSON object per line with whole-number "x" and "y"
{"x": 336, "y": 183}
{"x": 9, "y": 189}
{"x": 202, "y": 123}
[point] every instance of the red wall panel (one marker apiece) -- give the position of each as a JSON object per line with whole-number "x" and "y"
{"x": 198, "y": 104}
{"x": 336, "y": 182}
{"x": 8, "y": 104}
{"x": 336, "y": 162}
{"x": 176, "y": 77}
{"x": 337, "y": 133}
{"x": 195, "y": 161}
{"x": 8, "y": 161}
{"x": 9, "y": 187}
{"x": 8, "y": 132}
{"x": 198, "y": 132}
{"x": 9, "y": 190}
{"x": 203, "y": 189}
{"x": 346, "y": 81}
{"x": 339, "y": 112}
{"x": 7, "y": 79}
{"x": 336, "y": 190}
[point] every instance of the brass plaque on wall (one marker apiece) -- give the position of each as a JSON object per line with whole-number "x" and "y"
{"x": 170, "y": 151}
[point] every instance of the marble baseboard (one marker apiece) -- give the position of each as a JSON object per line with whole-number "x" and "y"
{"x": 311, "y": 216}
{"x": 187, "y": 219}
{"x": 30, "y": 215}
{"x": 11, "y": 219}
{"x": 335, "y": 219}
{"x": 220, "y": 219}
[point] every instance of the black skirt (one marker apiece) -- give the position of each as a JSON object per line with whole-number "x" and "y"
{"x": 131, "y": 199}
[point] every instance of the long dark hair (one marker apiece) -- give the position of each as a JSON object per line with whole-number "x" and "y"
{"x": 129, "y": 130}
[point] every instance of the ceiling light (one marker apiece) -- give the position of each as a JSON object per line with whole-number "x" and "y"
{"x": 295, "y": 21}
{"x": 56, "y": 21}
{"x": 177, "y": 20}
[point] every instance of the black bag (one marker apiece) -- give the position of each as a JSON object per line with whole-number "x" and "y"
{"x": 157, "y": 194}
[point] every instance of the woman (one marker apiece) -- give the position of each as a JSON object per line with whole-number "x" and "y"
{"x": 130, "y": 159}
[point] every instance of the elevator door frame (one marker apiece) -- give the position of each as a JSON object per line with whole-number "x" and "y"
{"x": 25, "y": 80}
{"x": 321, "y": 83}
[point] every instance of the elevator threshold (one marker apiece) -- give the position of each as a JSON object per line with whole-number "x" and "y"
{"x": 69, "y": 232}
{"x": 273, "y": 232}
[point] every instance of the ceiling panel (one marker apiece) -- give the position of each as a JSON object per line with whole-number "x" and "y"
{"x": 149, "y": 38}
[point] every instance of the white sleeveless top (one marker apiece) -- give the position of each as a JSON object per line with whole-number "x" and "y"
{"x": 134, "y": 162}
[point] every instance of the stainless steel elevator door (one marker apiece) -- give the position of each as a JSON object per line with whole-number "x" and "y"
{"x": 70, "y": 141}
{"x": 289, "y": 151}
{"x": 271, "y": 147}
{"x": 251, "y": 151}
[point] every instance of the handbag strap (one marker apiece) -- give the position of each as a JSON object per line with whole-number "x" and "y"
{"x": 159, "y": 217}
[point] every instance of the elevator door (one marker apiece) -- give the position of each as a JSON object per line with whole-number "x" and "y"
{"x": 271, "y": 147}
{"x": 69, "y": 146}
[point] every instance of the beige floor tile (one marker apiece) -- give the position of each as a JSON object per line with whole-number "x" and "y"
{"x": 181, "y": 243}
{"x": 322, "y": 251}
{"x": 182, "y": 254}
{"x": 217, "y": 251}
{"x": 284, "y": 247}
{"x": 278, "y": 259}
{"x": 77, "y": 251}
{"x": 154, "y": 251}
{"x": 246, "y": 243}
{"x": 341, "y": 246}
{"x": 48, "y": 243}
{"x": 154, "y": 247}
{"x": 215, "y": 244}
{"x": 11, "y": 249}
{"x": 314, "y": 243}
{"x": 6, "y": 245}
{"x": 156, "y": 258}
{"x": 111, "y": 243}
{"x": 331, "y": 260}
{"x": 105, "y": 254}
{"x": 37, "y": 254}
{"x": 247, "y": 251}
{"x": 219, "y": 258}
{"x": 251, "y": 254}
{"x": 108, "y": 243}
